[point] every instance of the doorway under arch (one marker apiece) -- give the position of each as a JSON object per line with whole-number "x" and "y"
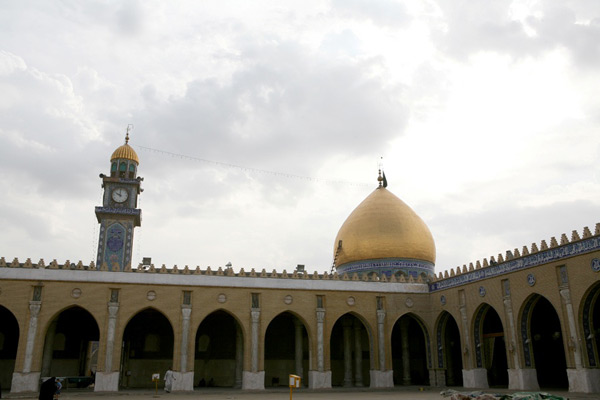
{"x": 218, "y": 358}
{"x": 590, "y": 319}
{"x": 350, "y": 352}
{"x": 409, "y": 351}
{"x": 286, "y": 350}
{"x": 543, "y": 343}
{"x": 147, "y": 349}
{"x": 71, "y": 345}
{"x": 490, "y": 346}
{"x": 9, "y": 341}
{"x": 449, "y": 349}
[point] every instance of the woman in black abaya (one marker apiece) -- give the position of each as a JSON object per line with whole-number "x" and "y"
{"x": 47, "y": 389}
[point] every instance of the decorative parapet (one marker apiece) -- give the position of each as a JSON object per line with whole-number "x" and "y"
{"x": 516, "y": 261}
{"x": 512, "y": 261}
{"x": 220, "y": 272}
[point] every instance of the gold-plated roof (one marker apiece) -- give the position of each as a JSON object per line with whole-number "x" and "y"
{"x": 125, "y": 152}
{"x": 383, "y": 226}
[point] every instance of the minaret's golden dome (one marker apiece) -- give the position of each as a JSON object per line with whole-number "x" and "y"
{"x": 383, "y": 231}
{"x": 125, "y": 152}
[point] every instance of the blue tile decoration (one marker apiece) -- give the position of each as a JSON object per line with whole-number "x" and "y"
{"x": 128, "y": 180}
{"x": 531, "y": 279}
{"x": 440, "y": 339}
{"x": 596, "y": 265}
{"x": 114, "y": 244}
{"x": 588, "y": 329}
{"x": 428, "y": 343}
{"x": 388, "y": 267}
{"x": 532, "y": 260}
{"x": 477, "y": 328}
{"x": 564, "y": 277}
{"x": 122, "y": 211}
{"x": 526, "y": 316}
{"x": 481, "y": 291}
{"x": 443, "y": 300}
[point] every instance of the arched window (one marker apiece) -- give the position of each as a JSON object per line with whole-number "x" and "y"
{"x": 131, "y": 171}
{"x": 122, "y": 169}
{"x": 113, "y": 169}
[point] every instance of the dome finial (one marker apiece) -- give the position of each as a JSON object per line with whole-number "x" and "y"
{"x": 129, "y": 127}
{"x": 381, "y": 178}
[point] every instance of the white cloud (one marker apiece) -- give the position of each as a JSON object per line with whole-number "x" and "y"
{"x": 486, "y": 116}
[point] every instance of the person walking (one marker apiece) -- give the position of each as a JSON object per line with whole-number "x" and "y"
{"x": 47, "y": 389}
{"x": 169, "y": 378}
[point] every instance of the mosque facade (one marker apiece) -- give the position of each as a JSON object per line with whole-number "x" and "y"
{"x": 526, "y": 319}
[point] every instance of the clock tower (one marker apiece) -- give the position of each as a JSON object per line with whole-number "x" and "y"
{"x": 118, "y": 215}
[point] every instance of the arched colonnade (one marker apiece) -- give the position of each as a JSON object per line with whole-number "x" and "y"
{"x": 483, "y": 344}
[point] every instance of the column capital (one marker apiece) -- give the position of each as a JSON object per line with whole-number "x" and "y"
{"x": 113, "y": 309}
{"x": 255, "y": 314}
{"x": 381, "y": 316}
{"x": 34, "y": 307}
{"x": 320, "y": 315}
{"x": 565, "y": 293}
{"x": 186, "y": 311}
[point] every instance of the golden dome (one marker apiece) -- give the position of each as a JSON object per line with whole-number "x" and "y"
{"x": 125, "y": 152}
{"x": 383, "y": 227}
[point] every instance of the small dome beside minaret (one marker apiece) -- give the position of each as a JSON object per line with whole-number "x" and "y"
{"x": 125, "y": 152}
{"x": 124, "y": 161}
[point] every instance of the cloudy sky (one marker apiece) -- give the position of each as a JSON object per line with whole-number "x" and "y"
{"x": 260, "y": 125}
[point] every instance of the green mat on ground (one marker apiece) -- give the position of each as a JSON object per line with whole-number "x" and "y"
{"x": 479, "y": 395}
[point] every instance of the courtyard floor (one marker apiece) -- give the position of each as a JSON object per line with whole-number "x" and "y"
{"x": 399, "y": 393}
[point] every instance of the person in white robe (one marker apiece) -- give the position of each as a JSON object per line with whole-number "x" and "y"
{"x": 169, "y": 378}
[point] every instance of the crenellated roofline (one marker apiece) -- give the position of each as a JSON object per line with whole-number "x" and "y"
{"x": 514, "y": 261}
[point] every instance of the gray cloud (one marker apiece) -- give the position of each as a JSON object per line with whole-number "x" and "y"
{"x": 287, "y": 108}
{"x": 469, "y": 28}
{"x": 296, "y": 91}
{"x": 509, "y": 227}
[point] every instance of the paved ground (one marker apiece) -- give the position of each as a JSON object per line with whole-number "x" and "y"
{"x": 403, "y": 393}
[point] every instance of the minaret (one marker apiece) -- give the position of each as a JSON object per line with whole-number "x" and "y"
{"x": 119, "y": 215}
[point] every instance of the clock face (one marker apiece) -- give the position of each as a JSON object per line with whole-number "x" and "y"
{"x": 119, "y": 195}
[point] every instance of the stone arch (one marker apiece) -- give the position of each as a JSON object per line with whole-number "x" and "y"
{"x": 350, "y": 337}
{"x": 364, "y": 321}
{"x": 411, "y": 352}
{"x": 490, "y": 345}
{"x": 219, "y": 350}
{"x": 542, "y": 341}
{"x": 449, "y": 352}
{"x": 159, "y": 309}
{"x": 286, "y": 348}
{"x": 9, "y": 342}
{"x": 148, "y": 342}
{"x": 71, "y": 344}
{"x": 590, "y": 323}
